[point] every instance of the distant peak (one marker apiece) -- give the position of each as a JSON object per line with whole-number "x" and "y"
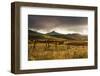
{"x": 53, "y": 31}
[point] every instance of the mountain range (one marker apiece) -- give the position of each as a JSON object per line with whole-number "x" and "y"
{"x": 55, "y": 35}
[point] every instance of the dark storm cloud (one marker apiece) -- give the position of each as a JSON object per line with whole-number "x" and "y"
{"x": 39, "y": 22}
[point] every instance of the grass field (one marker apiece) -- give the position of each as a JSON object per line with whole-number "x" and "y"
{"x": 63, "y": 51}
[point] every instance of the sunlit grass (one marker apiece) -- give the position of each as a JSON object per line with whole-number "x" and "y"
{"x": 41, "y": 52}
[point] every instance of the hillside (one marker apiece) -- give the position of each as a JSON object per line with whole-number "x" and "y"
{"x": 55, "y": 35}
{"x": 34, "y": 35}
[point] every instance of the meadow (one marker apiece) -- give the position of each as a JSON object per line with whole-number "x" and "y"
{"x": 67, "y": 50}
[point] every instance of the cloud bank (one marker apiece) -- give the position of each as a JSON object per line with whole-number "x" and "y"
{"x": 61, "y": 24}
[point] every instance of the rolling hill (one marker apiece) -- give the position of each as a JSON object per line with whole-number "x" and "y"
{"x": 55, "y": 35}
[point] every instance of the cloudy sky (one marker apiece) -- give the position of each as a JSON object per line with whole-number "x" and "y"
{"x": 61, "y": 24}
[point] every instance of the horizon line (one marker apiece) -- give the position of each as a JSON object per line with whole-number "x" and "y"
{"x": 58, "y": 32}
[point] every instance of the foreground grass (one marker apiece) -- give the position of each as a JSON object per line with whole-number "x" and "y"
{"x": 59, "y": 52}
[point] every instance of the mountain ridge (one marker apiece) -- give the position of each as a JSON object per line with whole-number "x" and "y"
{"x": 54, "y": 35}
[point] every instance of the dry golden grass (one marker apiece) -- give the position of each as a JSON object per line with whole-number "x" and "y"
{"x": 40, "y": 52}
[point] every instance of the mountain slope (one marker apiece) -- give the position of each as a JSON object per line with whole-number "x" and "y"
{"x": 76, "y": 36}
{"x": 56, "y": 36}
{"x": 34, "y": 35}
{"x": 53, "y": 33}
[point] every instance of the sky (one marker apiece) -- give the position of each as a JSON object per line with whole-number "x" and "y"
{"x": 60, "y": 24}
